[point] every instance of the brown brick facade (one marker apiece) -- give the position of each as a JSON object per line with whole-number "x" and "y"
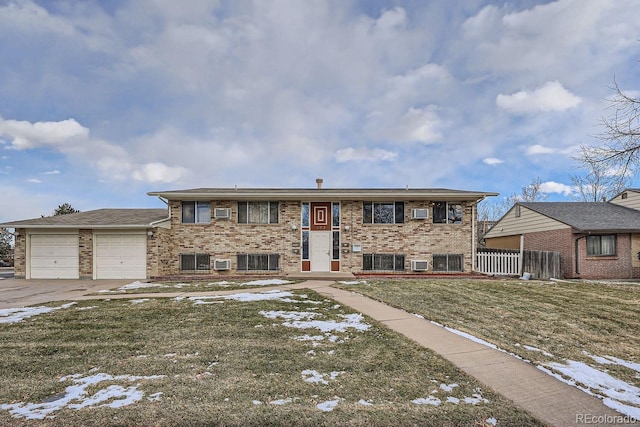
{"x": 85, "y": 243}
{"x": 226, "y": 238}
{"x": 20, "y": 254}
{"x": 589, "y": 267}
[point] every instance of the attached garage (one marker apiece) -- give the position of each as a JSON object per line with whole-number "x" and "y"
{"x": 53, "y": 256}
{"x": 120, "y": 256}
{"x": 99, "y": 244}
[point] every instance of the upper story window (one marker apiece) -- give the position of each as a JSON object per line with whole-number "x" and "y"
{"x": 196, "y": 212}
{"x": 447, "y": 213}
{"x": 258, "y": 212}
{"x": 383, "y": 212}
{"x": 601, "y": 245}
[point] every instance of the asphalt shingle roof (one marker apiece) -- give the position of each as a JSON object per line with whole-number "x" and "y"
{"x": 590, "y": 216}
{"x": 96, "y": 218}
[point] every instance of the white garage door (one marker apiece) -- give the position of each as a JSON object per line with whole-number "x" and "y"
{"x": 54, "y": 256}
{"x": 121, "y": 256}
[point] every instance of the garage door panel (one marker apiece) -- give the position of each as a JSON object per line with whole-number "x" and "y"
{"x": 121, "y": 256}
{"x": 54, "y": 256}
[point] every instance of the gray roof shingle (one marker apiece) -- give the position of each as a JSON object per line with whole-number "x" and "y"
{"x": 589, "y": 216}
{"x": 100, "y": 218}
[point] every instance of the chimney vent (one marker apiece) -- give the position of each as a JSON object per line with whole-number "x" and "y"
{"x": 319, "y": 182}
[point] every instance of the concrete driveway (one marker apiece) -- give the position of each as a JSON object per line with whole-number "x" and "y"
{"x": 16, "y": 293}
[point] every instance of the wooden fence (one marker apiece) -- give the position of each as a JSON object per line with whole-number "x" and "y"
{"x": 539, "y": 264}
{"x": 542, "y": 264}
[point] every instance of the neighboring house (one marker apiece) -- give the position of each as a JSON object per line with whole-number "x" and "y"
{"x": 596, "y": 240}
{"x": 233, "y": 231}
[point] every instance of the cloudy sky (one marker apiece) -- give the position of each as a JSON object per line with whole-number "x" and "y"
{"x": 103, "y": 101}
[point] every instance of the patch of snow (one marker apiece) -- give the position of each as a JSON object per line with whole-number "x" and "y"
{"x": 352, "y": 321}
{"x": 352, "y": 282}
{"x": 15, "y": 315}
{"x": 139, "y": 301}
{"x": 315, "y": 377}
{"x": 475, "y": 399}
{"x": 531, "y": 348}
{"x": 140, "y": 285}
{"x": 267, "y": 282}
{"x": 419, "y": 316}
{"x": 471, "y": 337}
{"x": 86, "y": 308}
{"x": 453, "y": 400}
{"x": 448, "y": 387}
{"x": 281, "y": 401}
{"x": 430, "y": 400}
{"x": 275, "y": 295}
{"x": 328, "y": 406}
{"x": 491, "y": 421}
{"x": 617, "y": 394}
{"x": 610, "y": 360}
{"x": 364, "y": 402}
{"x": 75, "y": 396}
{"x": 155, "y": 397}
{"x": 289, "y": 315}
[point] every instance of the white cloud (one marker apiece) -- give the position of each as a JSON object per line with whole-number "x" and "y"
{"x": 25, "y": 135}
{"x": 552, "y": 96}
{"x": 34, "y": 181}
{"x": 492, "y": 161}
{"x": 158, "y": 172}
{"x": 556, "y": 187}
{"x": 543, "y": 149}
{"x": 52, "y": 172}
{"x": 364, "y": 154}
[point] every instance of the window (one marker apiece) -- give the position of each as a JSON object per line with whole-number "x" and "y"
{"x": 266, "y": 262}
{"x": 305, "y": 245}
{"x": 383, "y": 262}
{"x": 447, "y": 213}
{"x": 196, "y": 212}
{"x": 305, "y": 214}
{"x": 601, "y": 245}
{"x": 336, "y": 245}
{"x": 383, "y": 212}
{"x": 195, "y": 262}
{"x": 336, "y": 214}
{"x": 258, "y": 212}
{"x": 448, "y": 262}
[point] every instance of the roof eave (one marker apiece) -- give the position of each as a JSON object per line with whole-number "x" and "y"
{"x": 76, "y": 226}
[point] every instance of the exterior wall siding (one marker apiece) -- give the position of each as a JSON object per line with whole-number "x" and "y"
{"x": 631, "y": 199}
{"x": 226, "y": 238}
{"x": 528, "y": 222}
{"x": 606, "y": 267}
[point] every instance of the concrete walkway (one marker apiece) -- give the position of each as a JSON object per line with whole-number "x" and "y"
{"x": 546, "y": 398}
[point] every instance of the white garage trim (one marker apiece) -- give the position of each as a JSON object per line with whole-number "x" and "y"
{"x": 120, "y": 255}
{"x": 52, "y": 255}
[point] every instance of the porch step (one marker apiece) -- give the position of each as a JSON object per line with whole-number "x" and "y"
{"x": 319, "y": 275}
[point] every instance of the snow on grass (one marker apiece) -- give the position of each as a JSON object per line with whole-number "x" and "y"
{"x": 530, "y": 348}
{"x": 15, "y": 315}
{"x": 76, "y": 396}
{"x": 289, "y": 315}
{"x": 472, "y": 338}
{"x": 141, "y": 285}
{"x": 274, "y": 295}
{"x": 616, "y": 394}
{"x": 475, "y": 398}
{"x": 315, "y": 377}
{"x": 364, "y": 402}
{"x": 139, "y": 301}
{"x": 430, "y": 400}
{"x": 352, "y": 282}
{"x": 328, "y": 406}
{"x": 266, "y": 282}
{"x": 351, "y": 321}
{"x": 610, "y": 360}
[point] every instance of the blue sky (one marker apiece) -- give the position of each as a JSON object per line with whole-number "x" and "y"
{"x": 103, "y": 101}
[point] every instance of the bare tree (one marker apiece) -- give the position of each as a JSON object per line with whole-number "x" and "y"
{"x": 620, "y": 149}
{"x": 599, "y": 183}
{"x": 493, "y": 209}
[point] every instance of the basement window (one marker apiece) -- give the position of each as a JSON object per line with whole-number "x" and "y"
{"x": 195, "y": 262}
{"x": 448, "y": 262}
{"x": 262, "y": 262}
{"x": 383, "y": 262}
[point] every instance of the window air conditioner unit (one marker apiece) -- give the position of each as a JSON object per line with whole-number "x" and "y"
{"x": 417, "y": 265}
{"x": 221, "y": 264}
{"x": 420, "y": 213}
{"x": 222, "y": 213}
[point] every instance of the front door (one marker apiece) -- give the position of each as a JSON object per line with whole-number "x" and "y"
{"x": 320, "y": 246}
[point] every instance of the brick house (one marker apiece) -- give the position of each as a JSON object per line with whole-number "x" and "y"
{"x": 234, "y": 231}
{"x": 596, "y": 240}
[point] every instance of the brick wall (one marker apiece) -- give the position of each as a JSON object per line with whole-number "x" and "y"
{"x": 19, "y": 254}
{"x": 606, "y": 267}
{"x": 225, "y": 238}
{"x": 591, "y": 267}
{"x": 555, "y": 241}
{"x": 85, "y": 243}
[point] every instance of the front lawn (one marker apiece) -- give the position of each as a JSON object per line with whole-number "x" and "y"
{"x": 586, "y": 333}
{"x": 272, "y": 358}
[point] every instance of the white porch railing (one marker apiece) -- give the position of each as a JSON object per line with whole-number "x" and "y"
{"x": 499, "y": 262}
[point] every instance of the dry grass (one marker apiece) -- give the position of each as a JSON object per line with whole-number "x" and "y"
{"x": 220, "y": 360}
{"x": 196, "y": 286}
{"x": 567, "y": 320}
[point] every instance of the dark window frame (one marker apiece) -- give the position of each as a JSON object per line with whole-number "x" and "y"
{"x": 196, "y": 217}
{"x": 445, "y": 213}
{"x": 256, "y": 262}
{"x": 595, "y": 247}
{"x": 244, "y": 212}
{"x": 452, "y": 262}
{"x": 372, "y": 212}
{"x": 196, "y": 261}
{"x": 374, "y": 261}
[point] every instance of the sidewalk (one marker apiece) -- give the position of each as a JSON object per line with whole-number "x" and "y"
{"x": 546, "y": 398}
